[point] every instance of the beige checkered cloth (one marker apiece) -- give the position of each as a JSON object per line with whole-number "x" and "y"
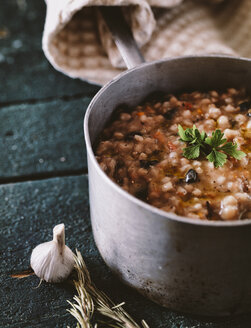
{"x": 77, "y": 42}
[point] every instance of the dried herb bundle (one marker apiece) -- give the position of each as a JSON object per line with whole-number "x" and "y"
{"x": 90, "y": 298}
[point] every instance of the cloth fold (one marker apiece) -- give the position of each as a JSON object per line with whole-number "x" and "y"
{"x": 77, "y": 42}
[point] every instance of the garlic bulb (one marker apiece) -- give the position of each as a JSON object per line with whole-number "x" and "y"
{"x": 53, "y": 261}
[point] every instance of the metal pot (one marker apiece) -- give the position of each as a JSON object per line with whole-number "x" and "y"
{"x": 201, "y": 267}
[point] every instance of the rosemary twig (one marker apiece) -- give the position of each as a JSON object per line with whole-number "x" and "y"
{"x": 89, "y": 298}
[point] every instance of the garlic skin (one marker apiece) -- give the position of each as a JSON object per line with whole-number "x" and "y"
{"x": 53, "y": 261}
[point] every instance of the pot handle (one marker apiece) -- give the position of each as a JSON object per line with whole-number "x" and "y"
{"x": 122, "y": 36}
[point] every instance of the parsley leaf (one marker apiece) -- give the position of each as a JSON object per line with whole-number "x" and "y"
{"x": 194, "y": 138}
{"x": 215, "y": 148}
{"x": 231, "y": 149}
{"x": 192, "y": 152}
{"x": 185, "y": 135}
{"x": 218, "y": 158}
{"x": 216, "y": 140}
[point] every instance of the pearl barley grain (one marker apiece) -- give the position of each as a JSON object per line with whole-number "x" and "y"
{"x": 167, "y": 186}
{"x": 223, "y": 122}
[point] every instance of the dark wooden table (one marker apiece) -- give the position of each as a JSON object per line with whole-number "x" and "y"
{"x": 43, "y": 176}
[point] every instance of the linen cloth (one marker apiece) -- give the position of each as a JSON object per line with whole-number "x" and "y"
{"x": 77, "y": 42}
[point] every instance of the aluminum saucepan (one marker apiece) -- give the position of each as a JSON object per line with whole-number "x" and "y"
{"x": 201, "y": 267}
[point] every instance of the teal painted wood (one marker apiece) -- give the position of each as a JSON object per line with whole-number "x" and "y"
{"x": 45, "y": 138}
{"x": 25, "y": 72}
{"x": 28, "y": 212}
{"x": 28, "y": 77}
{"x": 21, "y": 25}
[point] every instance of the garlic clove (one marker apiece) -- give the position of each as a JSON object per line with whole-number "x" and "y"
{"x": 53, "y": 261}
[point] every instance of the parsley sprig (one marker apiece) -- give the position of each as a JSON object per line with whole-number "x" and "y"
{"x": 214, "y": 148}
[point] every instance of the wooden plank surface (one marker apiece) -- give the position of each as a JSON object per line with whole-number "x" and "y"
{"x": 28, "y": 212}
{"x": 29, "y": 77}
{"x": 21, "y": 24}
{"x": 25, "y": 73}
{"x": 44, "y": 138}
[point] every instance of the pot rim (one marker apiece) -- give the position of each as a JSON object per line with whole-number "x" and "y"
{"x": 116, "y": 187}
